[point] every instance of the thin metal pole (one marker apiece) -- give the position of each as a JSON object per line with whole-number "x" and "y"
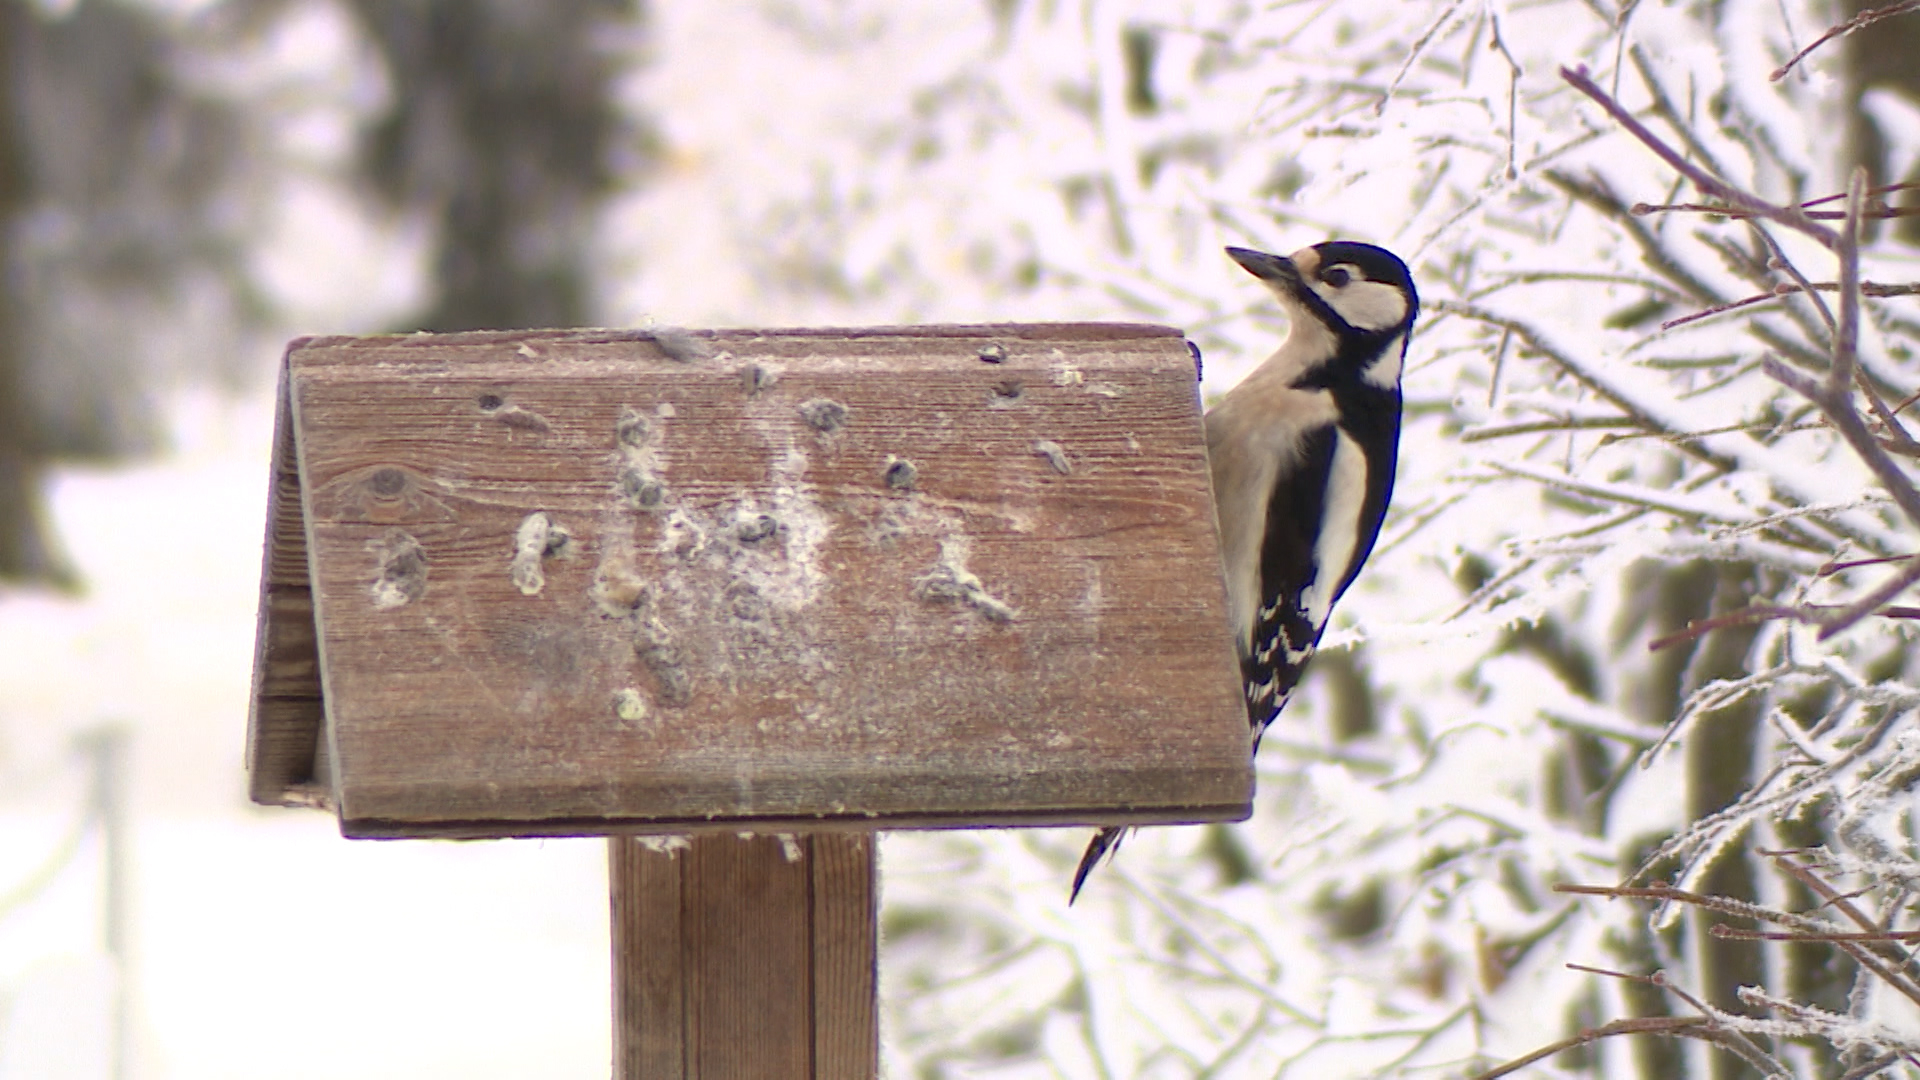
{"x": 108, "y": 745}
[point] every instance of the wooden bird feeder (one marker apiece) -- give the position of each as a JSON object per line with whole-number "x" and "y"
{"x": 675, "y": 586}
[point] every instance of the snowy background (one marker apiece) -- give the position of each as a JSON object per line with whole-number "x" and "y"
{"x": 1473, "y": 736}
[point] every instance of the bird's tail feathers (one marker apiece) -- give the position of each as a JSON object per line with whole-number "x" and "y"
{"x": 1105, "y": 841}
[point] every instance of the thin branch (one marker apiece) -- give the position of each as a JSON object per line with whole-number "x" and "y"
{"x": 1879, "y": 1064}
{"x": 1846, "y": 334}
{"x": 1508, "y": 278}
{"x": 1742, "y": 910}
{"x": 1534, "y": 340}
{"x": 1709, "y": 1027}
{"x": 1875, "y": 208}
{"x": 1746, "y": 616}
{"x": 1841, "y": 413}
{"x": 1836, "y": 617}
{"x": 1613, "y": 493}
{"x": 1534, "y": 427}
{"x": 1871, "y": 602}
{"x": 1413, "y": 55}
{"x": 1736, "y": 933}
{"x": 1836, "y": 567}
{"x": 1664, "y": 108}
{"x": 1513, "y": 100}
{"x": 1499, "y": 366}
{"x": 1898, "y": 977}
{"x": 1791, "y": 216}
{"x": 1865, "y": 18}
{"x": 1883, "y": 189}
{"x": 1720, "y": 309}
{"x": 1694, "y": 1027}
{"x": 1780, "y": 261}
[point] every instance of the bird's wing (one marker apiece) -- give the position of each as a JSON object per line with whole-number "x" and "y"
{"x": 1284, "y": 631}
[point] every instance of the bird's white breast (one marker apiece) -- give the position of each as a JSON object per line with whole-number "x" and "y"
{"x": 1254, "y": 432}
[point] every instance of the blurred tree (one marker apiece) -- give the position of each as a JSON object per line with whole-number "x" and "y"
{"x": 504, "y": 131}
{"x": 118, "y": 215}
{"x": 132, "y": 185}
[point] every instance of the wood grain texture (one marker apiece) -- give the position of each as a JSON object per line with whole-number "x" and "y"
{"x": 873, "y": 578}
{"x": 649, "y": 962}
{"x": 745, "y": 957}
{"x": 846, "y": 948}
{"x": 749, "y": 934}
{"x": 287, "y": 715}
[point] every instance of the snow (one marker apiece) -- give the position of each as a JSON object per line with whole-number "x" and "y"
{"x": 1389, "y": 906}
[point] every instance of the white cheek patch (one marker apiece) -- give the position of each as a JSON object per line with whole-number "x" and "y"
{"x": 1385, "y": 371}
{"x": 1367, "y": 305}
{"x": 1339, "y": 528}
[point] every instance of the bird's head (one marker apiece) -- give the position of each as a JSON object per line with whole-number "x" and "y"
{"x": 1361, "y": 294}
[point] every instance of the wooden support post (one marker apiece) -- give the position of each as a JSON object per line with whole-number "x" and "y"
{"x": 744, "y": 957}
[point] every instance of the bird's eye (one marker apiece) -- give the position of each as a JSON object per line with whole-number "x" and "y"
{"x": 1336, "y": 276}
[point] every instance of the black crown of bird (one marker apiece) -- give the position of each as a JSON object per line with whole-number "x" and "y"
{"x": 1302, "y": 453}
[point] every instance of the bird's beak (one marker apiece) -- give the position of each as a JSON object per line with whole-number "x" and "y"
{"x": 1277, "y": 271}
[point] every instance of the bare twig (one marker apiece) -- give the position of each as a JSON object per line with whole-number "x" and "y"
{"x": 1791, "y": 216}
{"x": 1513, "y": 100}
{"x": 1741, "y": 909}
{"x": 1780, "y": 261}
{"x": 1735, "y": 933}
{"x": 1866, "y": 1069}
{"x": 1830, "y": 618}
{"x": 1877, "y": 206}
{"x": 1419, "y": 49}
{"x": 1874, "y": 210}
{"x": 1533, "y": 339}
{"x": 1896, "y": 977}
{"x": 1865, "y": 18}
{"x": 1846, "y": 334}
{"x": 1780, "y": 291}
{"x": 1711, "y": 1026}
{"x": 1883, "y": 189}
{"x": 1847, "y": 421}
{"x": 1534, "y": 427}
{"x": 1692, "y": 1027}
{"x": 1746, "y": 616}
{"x": 1720, "y": 309}
{"x": 1836, "y": 567}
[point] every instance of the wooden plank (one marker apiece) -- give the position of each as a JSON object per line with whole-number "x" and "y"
{"x": 745, "y": 957}
{"x": 649, "y": 971}
{"x": 287, "y": 715}
{"x": 846, "y": 947}
{"x": 872, "y": 578}
{"x": 748, "y": 936}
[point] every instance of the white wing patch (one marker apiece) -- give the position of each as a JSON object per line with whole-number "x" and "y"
{"x": 1339, "y": 528}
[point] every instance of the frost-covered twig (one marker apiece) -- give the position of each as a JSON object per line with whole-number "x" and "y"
{"x": 1865, "y": 18}
{"x": 1878, "y": 290}
{"x": 1712, "y": 1026}
{"x": 1536, "y": 340}
{"x": 1790, "y": 216}
{"x": 1875, "y": 208}
{"x": 1692, "y": 1027}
